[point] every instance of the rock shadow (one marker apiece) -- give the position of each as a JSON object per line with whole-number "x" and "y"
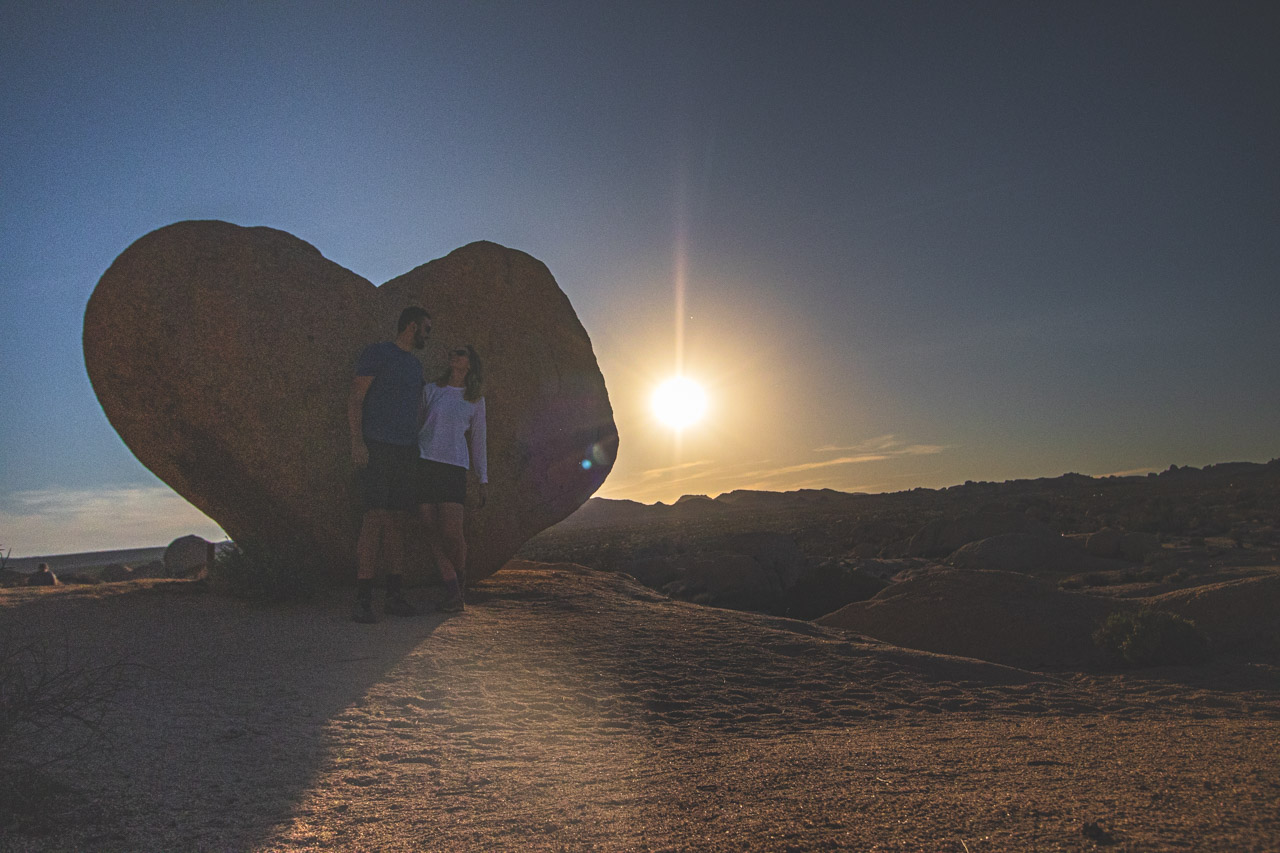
{"x": 222, "y": 713}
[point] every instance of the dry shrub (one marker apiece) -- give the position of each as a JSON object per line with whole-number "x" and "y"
{"x": 53, "y": 712}
{"x": 1151, "y": 638}
{"x": 260, "y": 576}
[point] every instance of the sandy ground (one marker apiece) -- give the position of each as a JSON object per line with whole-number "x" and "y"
{"x": 569, "y": 709}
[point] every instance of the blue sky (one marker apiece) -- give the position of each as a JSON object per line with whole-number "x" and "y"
{"x": 914, "y": 244}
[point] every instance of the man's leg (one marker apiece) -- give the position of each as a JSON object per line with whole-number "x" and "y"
{"x": 375, "y": 481}
{"x": 373, "y": 528}
{"x": 401, "y": 499}
{"x": 397, "y": 533}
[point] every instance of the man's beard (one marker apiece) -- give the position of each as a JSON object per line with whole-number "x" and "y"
{"x": 419, "y": 341}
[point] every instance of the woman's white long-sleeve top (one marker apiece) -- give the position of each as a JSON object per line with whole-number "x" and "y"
{"x": 450, "y": 419}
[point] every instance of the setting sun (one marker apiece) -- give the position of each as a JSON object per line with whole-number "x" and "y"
{"x": 679, "y": 402}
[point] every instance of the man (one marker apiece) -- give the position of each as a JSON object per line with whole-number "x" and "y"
{"x": 382, "y": 412}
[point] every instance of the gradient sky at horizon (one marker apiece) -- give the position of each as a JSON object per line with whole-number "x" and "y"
{"x": 919, "y": 243}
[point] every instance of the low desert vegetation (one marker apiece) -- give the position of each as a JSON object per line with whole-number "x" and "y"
{"x": 53, "y": 712}
{"x": 1151, "y": 638}
{"x": 259, "y": 576}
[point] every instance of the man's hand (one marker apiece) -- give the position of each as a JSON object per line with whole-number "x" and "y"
{"x": 484, "y": 495}
{"x": 359, "y": 454}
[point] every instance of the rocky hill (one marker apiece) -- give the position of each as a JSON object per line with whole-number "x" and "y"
{"x": 811, "y": 552}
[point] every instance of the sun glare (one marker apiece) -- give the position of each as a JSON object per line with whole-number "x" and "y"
{"x": 679, "y": 402}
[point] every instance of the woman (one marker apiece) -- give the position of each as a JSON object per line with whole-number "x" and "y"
{"x": 452, "y": 410}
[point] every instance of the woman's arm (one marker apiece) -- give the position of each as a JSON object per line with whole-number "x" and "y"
{"x": 479, "y": 456}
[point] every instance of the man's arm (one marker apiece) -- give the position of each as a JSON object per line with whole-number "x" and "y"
{"x": 355, "y": 419}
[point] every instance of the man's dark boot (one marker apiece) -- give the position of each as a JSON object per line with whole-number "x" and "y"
{"x": 396, "y": 605}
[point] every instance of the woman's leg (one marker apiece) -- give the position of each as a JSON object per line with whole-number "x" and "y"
{"x": 430, "y": 514}
{"x": 453, "y": 553}
{"x": 455, "y": 546}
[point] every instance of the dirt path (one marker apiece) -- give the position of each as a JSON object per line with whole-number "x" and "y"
{"x": 575, "y": 710}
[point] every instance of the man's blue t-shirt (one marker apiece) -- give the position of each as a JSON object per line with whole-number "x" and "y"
{"x": 391, "y": 406}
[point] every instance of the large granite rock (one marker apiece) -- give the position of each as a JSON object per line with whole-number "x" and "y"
{"x": 1237, "y": 615}
{"x": 115, "y": 572}
{"x": 1111, "y": 542}
{"x": 944, "y": 536}
{"x": 1031, "y": 553}
{"x": 995, "y": 616}
{"x": 42, "y": 576}
{"x": 223, "y": 356}
{"x": 735, "y": 581}
{"x": 827, "y": 587}
{"x": 188, "y": 556}
{"x": 745, "y": 571}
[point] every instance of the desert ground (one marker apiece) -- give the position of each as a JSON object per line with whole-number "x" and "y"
{"x": 572, "y": 708}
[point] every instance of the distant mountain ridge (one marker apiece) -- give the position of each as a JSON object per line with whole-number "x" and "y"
{"x": 69, "y": 562}
{"x": 601, "y": 512}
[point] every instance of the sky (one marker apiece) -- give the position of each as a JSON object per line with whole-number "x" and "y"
{"x": 899, "y": 244}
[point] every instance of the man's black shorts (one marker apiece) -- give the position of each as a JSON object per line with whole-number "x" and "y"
{"x": 387, "y": 481}
{"x": 440, "y": 483}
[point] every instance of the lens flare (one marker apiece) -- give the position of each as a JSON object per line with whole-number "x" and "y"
{"x": 679, "y": 402}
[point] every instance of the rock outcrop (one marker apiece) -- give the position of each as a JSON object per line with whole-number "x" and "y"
{"x": 1113, "y": 543}
{"x": 1104, "y": 543}
{"x": 735, "y": 581}
{"x": 187, "y": 556}
{"x": 1030, "y": 553}
{"x": 995, "y": 616}
{"x": 827, "y": 587}
{"x": 116, "y": 572}
{"x": 42, "y": 576}
{"x": 1237, "y": 615}
{"x": 223, "y": 356}
{"x": 743, "y": 571}
{"x": 943, "y": 536}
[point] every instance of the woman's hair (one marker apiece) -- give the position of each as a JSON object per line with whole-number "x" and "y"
{"x": 475, "y": 376}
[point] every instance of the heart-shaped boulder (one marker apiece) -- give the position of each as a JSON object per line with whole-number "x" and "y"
{"x": 224, "y": 356}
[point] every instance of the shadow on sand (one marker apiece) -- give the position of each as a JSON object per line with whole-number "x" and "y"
{"x": 212, "y": 720}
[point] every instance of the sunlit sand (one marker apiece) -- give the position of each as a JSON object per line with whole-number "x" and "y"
{"x": 575, "y": 709}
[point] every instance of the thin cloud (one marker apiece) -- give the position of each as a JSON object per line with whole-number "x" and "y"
{"x": 923, "y": 449}
{"x": 704, "y": 476}
{"x": 871, "y": 445}
{"x": 68, "y": 521}
{"x": 646, "y": 481}
{"x": 671, "y": 469}
{"x": 886, "y": 444}
{"x": 826, "y": 463}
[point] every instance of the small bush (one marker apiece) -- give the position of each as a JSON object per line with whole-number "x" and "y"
{"x": 53, "y": 712}
{"x": 1151, "y": 638}
{"x": 260, "y": 576}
